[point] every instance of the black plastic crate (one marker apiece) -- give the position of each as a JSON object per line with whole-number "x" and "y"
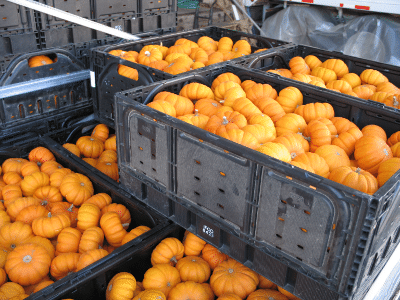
{"x": 40, "y": 98}
{"x": 92, "y": 284}
{"x": 265, "y": 62}
{"x": 140, "y": 214}
{"x": 79, "y": 8}
{"x": 157, "y": 5}
{"x": 12, "y": 45}
{"x": 15, "y": 19}
{"x": 105, "y": 9}
{"x": 350, "y": 234}
{"x": 105, "y": 66}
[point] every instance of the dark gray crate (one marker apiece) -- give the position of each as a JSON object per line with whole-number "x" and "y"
{"x": 350, "y": 235}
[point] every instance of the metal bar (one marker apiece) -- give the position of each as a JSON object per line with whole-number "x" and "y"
{"x": 43, "y": 83}
{"x": 245, "y": 13}
{"x": 73, "y": 18}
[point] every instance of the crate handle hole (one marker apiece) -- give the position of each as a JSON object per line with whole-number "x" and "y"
{"x": 140, "y": 133}
{"x": 283, "y": 201}
{"x": 197, "y": 178}
{"x": 222, "y": 173}
{"x": 329, "y": 249}
{"x": 23, "y": 74}
{"x": 301, "y": 247}
{"x": 278, "y": 235}
{"x": 140, "y": 148}
{"x": 37, "y": 72}
{"x": 303, "y": 229}
{"x": 299, "y": 258}
{"x": 222, "y": 191}
{"x": 281, "y": 219}
{"x": 307, "y": 212}
{"x": 154, "y": 170}
{"x": 220, "y": 206}
{"x": 141, "y": 162}
{"x": 197, "y": 193}
{"x": 197, "y": 162}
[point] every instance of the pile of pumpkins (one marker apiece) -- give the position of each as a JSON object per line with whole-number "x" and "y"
{"x": 334, "y": 74}
{"x": 52, "y": 223}
{"x": 193, "y": 269}
{"x": 184, "y": 55}
{"x": 99, "y": 150}
{"x": 308, "y": 136}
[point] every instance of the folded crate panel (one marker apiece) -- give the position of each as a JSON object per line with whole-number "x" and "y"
{"x": 321, "y": 232}
{"x": 32, "y": 96}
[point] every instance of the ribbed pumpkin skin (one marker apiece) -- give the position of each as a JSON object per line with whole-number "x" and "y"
{"x": 76, "y": 188}
{"x": 121, "y": 287}
{"x": 213, "y": 256}
{"x": 63, "y": 264}
{"x": 312, "y": 61}
{"x": 387, "y": 169}
{"x": 325, "y": 74}
{"x": 188, "y": 290}
{"x": 290, "y": 123}
{"x": 275, "y": 150}
{"x": 370, "y": 151}
{"x": 68, "y": 240}
{"x": 14, "y": 234}
{"x": 90, "y": 257}
{"x": 347, "y": 140}
{"x": 225, "y": 77}
{"x": 298, "y": 65}
{"x": 193, "y": 268}
{"x": 312, "y": 111}
{"x": 267, "y": 294}
{"x": 168, "y": 251}
{"x": 355, "y": 178}
{"x": 373, "y": 77}
{"x": 196, "y": 91}
{"x": 51, "y": 226}
{"x": 162, "y": 277}
{"x": 27, "y": 264}
{"x": 92, "y": 238}
{"x": 334, "y": 156}
{"x": 336, "y": 65}
{"x": 193, "y": 245}
{"x": 233, "y": 277}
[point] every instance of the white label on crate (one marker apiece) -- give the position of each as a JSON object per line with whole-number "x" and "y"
{"x": 92, "y": 79}
{"x": 207, "y": 230}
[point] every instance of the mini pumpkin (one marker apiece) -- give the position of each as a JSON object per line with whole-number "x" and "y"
{"x": 355, "y": 178}
{"x": 121, "y": 287}
{"x": 169, "y": 250}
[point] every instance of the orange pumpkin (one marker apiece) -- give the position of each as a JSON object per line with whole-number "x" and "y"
{"x": 169, "y": 250}
{"x": 27, "y": 264}
{"x": 355, "y": 178}
{"x": 387, "y": 169}
{"x": 193, "y": 268}
{"x": 370, "y": 152}
{"x": 76, "y": 188}
{"x": 213, "y": 256}
{"x": 90, "y": 257}
{"x": 298, "y": 65}
{"x": 90, "y": 146}
{"x": 161, "y": 277}
{"x": 121, "y": 287}
{"x": 232, "y": 277}
{"x": 334, "y": 156}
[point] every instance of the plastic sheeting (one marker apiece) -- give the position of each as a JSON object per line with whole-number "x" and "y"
{"x": 371, "y": 37}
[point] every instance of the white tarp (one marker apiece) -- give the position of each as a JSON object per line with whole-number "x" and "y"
{"x": 372, "y": 37}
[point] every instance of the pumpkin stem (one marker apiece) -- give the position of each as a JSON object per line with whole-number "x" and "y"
{"x": 196, "y": 112}
{"x": 173, "y": 259}
{"x": 293, "y": 155}
{"x": 147, "y": 53}
{"x": 70, "y": 208}
{"x": 125, "y": 225}
{"x": 214, "y": 104}
{"x": 44, "y": 203}
{"x": 49, "y": 215}
{"x": 230, "y": 271}
{"x": 395, "y": 102}
{"x": 27, "y": 259}
{"x": 224, "y": 121}
{"x": 358, "y": 170}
